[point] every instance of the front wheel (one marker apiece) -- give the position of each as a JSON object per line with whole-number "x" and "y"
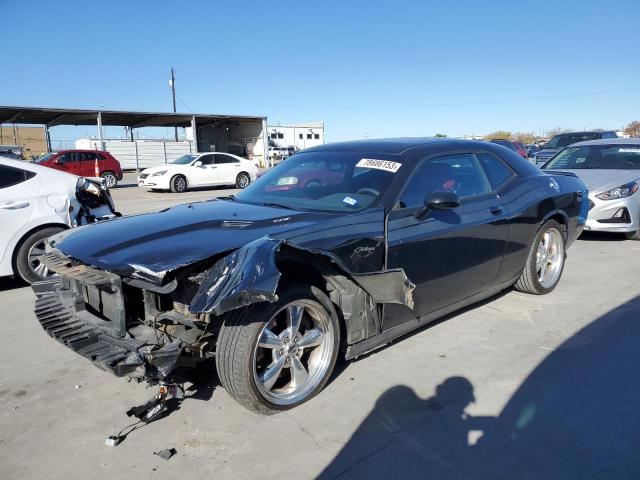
{"x": 545, "y": 262}
{"x": 273, "y": 357}
{"x": 178, "y": 184}
{"x": 243, "y": 180}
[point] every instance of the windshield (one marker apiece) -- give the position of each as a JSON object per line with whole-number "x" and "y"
{"x": 602, "y": 157}
{"x": 185, "y": 159}
{"x": 324, "y": 181}
{"x": 43, "y": 158}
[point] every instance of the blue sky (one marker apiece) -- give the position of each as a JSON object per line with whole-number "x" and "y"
{"x": 375, "y": 69}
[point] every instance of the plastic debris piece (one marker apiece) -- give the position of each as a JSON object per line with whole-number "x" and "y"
{"x": 166, "y": 454}
{"x": 112, "y": 441}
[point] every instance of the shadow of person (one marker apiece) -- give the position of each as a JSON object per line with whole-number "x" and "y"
{"x": 574, "y": 416}
{"x": 407, "y": 436}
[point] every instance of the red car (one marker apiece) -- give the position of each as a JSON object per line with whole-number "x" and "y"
{"x": 515, "y": 146}
{"x": 83, "y": 163}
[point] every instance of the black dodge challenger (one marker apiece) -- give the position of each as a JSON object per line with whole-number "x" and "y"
{"x": 338, "y": 250}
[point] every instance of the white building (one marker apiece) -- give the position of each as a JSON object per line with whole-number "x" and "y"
{"x": 299, "y": 136}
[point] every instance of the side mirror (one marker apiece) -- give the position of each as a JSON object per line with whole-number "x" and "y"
{"x": 439, "y": 200}
{"x": 197, "y": 164}
{"x": 58, "y": 161}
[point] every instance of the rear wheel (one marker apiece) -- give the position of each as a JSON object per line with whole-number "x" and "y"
{"x": 243, "y": 180}
{"x": 28, "y": 260}
{"x": 633, "y": 235}
{"x": 178, "y": 184}
{"x": 110, "y": 179}
{"x": 273, "y": 357}
{"x": 545, "y": 262}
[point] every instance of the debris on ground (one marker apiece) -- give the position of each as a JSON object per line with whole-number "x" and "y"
{"x": 166, "y": 454}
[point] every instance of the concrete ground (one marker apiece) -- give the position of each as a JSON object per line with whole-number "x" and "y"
{"x": 518, "y": 387}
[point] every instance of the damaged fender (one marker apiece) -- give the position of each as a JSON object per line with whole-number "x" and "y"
{"x": 250, "y": 275}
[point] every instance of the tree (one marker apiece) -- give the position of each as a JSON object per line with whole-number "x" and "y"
{"x": 526, "y": 137}
{"x": 501, "y": 134}
{"x": 633, "y": 129}
{"x": 441, "y": 135}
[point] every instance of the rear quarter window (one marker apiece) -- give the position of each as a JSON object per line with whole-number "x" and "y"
{"x": 10, "y": 176}
{"x": 497, "y": 172}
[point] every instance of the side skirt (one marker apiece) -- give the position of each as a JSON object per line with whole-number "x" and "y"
{"x": 386, "y": 336}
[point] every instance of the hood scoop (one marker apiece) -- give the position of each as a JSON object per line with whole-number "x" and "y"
{"x": 236, "y": 223}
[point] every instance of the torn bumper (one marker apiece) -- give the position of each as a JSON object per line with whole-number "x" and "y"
{"x": 61, "y": 309}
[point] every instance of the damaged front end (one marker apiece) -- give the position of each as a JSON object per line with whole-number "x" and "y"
{"x": 92, "y": 203}
{"x": 145, "y": 331}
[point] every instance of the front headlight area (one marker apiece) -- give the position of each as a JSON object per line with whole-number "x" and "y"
{"x": 158, "y": 174}
{"x": 622, "y": 191}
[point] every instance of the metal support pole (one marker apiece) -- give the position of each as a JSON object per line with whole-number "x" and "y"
{"x": 195, "y": 132}
{"x": 135, "y": 145}
{"x": 265, "y": 144}
{"x": 47, "y": 135}
{"x": 100, "y": 136}
{"x": 164, "y": 148}
{"x": 173, "y": 92}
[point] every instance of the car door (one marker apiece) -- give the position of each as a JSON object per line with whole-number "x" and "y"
{"x": 449, "y": 254}
{"x": 18, "y": 195}
{"x": 204, "y": 174}
{"x": 68, "y": 162}
{"x": 228, "y": 168}
{"x": 87, "y": 163}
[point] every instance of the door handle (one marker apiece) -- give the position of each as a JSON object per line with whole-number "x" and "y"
{"x": 213, "y": 166}
{"x": 496, "y": 210}
{"x": 14, "y": 205}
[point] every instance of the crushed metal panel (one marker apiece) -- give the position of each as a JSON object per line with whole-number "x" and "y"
{"x": 250, "y": 275}
{"x": 246, "y": 276}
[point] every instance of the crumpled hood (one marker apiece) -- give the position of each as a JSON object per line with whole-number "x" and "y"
{"x": 602, "y": 180}
{"x": 149, "y": 245}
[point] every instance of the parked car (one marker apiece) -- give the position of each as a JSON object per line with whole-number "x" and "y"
{"x": 515, "y": 146}
{"x": 200, "y": 170}
{"x": 281, "y": 153}
{"x": 611, "y": 170}
{"x": 14, "y": 152}
{"x": 83, "y": 163}
{"x": 532, "y": 149}
{"x": 562, "y": 140}
{"x": 276, "y": 284}
{"x": 36, "y": 202}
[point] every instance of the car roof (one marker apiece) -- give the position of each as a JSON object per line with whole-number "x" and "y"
{"x": 71, "y": 150}
{"x": 608, "y": 141}
{"x": 585, "y": 132}
{"x": 394, "y": 146}
{"x": 34, "y": 167}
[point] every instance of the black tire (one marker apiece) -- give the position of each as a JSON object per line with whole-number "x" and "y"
{"x": 243, "y": 180}
{"x": 528, "y": 281}
{"x": 23, "y": 269}
{"x": 633, "y": 235}
{"x": 178, "y": 184}
{"x": 110, "y": 178}
{"x": 236, "y": 347}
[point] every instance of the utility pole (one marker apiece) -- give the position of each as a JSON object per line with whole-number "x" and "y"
{"x": 172, "y": 82}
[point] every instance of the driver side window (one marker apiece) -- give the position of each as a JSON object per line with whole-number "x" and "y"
{"x": 206, "y": 159}
{"x": 461, "y": 174}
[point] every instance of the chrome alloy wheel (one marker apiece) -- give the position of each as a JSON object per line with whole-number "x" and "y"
{"x": 293, "y": 352}
{"x": 180, "y": 184}
{"x": 110, "y": 180}
{"x": 243, "y": 180}
{"x": 549, "y": 258}
{"x": 35, "y": 256}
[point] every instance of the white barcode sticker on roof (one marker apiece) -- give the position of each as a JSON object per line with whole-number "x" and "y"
{"x": 386, "y": 165}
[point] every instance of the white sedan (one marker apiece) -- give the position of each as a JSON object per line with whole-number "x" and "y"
{"x": 37, "y": 202}
{"x": 200, "y": 170}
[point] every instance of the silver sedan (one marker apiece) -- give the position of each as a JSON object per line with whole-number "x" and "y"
{"x": 611, "y": 170}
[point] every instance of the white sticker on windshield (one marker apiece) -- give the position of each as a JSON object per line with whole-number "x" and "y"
{"x": 385, "y": 165}
{"x": 629, "y": 150}
{"x": 352, "y": 202}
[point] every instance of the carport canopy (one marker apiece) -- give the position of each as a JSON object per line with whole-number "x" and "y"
{"x": 52, "y": 117}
